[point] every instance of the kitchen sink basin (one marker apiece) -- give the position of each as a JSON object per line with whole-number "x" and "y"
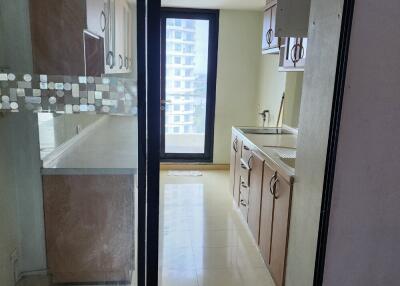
{"x": 289, "y": 161}
{"x": 278, "y": 131}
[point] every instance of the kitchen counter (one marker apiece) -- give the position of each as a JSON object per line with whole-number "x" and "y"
{"x": 110, "y": 148}
{"x": 274, "y": 147}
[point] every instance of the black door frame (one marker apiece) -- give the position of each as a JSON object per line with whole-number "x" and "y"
{"x": 213, "y": 17}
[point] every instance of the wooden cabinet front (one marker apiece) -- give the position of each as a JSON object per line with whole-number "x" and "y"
{"x": 267, "y": 209}
{"x": 256, "y": 181}
{"x": 237, "y": 181}
{"x": 234, "y": 152}
{"x": 89, "y": 223}
{"x": 280, "y": 229}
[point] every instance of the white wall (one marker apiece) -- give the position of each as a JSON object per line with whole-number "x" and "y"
{"x": 271, "y": 86}
{"x": 364, "y": 228}
{"x": 237, "y": 77}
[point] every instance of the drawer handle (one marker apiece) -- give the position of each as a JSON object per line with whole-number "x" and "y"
{"x": 243, "y": 203}
{"x": 243, "y": 166}
{"x": 244, "y": 185}
{"x": 246, "y": 148}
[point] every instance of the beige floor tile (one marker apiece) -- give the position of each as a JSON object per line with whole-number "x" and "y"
{"x": 202, "y": 231}
{"x": 178, "y": 278}
{"x": 234, "y": 277}
{"x": 226, "y": 257}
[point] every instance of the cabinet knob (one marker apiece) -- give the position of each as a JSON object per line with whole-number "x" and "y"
{"x": 110, "y": 59}
{"x": 269, "y": 36}
{"x": 103, "y": 21}
{"x": 272, "y": 186}
{"x": 234, "y": 145}
{"x": 126, "y": 62}
{"x": 121, "y": 61}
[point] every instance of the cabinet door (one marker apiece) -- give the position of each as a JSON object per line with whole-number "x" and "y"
{"x": 266, "y": 29}
{"x": 96, "y": 17}
{"x": 110, "y": 57}
{"x": 267, "y": 208}
{"x": 270, "y": 43}
{"x": 119, "y": 34}
{"x": 295, "y": 53}
{"x": 274, "y": 39}
{"x": 237, "y": 172}
{"x": 256, "y": 180}
{"x": 282, "y": 201}
{"x": 234, "y": 153}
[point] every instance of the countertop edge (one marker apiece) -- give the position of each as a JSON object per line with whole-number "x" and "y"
{"x": 283, "y": 170}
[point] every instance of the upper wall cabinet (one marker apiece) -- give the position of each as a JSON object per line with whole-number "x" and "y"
{"x": 292, "y": 18}
{"x": 293, "y": 55}
{"x": 270, "y": 43}
{"x": 284, "y": 18}
{"x": 81, "y": 37}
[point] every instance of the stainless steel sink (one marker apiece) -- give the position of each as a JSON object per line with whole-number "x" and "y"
{"x": 278, "y": 131}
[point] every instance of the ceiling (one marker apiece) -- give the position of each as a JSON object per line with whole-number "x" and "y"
{"x": 216, "y": 4}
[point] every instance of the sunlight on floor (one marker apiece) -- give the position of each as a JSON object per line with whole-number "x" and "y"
{"x": 203, "y": 239}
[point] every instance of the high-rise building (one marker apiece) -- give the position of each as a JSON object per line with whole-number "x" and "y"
{"x": 180, "y": 77}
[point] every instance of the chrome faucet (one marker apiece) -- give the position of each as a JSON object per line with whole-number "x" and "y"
{"x": 264, "y": 116}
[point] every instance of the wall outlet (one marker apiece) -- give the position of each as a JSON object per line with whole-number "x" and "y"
{"x": 14, "y": 261}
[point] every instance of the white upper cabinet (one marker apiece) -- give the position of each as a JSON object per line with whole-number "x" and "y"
{"x": 270, "y": 42}
{"x": 96, "y": 17}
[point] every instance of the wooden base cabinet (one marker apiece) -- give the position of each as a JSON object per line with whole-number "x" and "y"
{"x": 280, "y": 229}
{"x": 267, "y": 208}
{"x": 274, "y": 226}
{"x": 89, "y": 222}
{"x": 263, "y": 196}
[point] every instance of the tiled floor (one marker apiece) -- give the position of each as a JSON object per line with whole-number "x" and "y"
{"x": 203, "y": 240}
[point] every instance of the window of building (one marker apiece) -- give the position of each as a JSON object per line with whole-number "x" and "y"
{"x": 188, "y": 84}
{"x": 177, "y": 107}
{"x": 188, "y": 107}
{"x": 187, "y": 129}
{"x": 177, "y": 60}
{"x": 178, "y": 35}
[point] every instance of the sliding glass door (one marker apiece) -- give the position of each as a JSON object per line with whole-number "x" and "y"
{"x": 189, "y": 40}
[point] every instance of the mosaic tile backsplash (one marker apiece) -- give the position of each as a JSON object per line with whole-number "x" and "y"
{"x": 67, "y": 94}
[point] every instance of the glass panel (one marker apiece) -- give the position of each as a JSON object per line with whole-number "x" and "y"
{"x": 186, "y": 85}
{"x": 68, "y": 129}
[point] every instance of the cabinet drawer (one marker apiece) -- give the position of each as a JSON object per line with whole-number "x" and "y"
{"x": 244, "y": 200}
{"x": 244, "y": 173}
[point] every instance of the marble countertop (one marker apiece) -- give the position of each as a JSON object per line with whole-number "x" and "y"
{"x": 273, "y": 146}
{"x": 110, "y": 148}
